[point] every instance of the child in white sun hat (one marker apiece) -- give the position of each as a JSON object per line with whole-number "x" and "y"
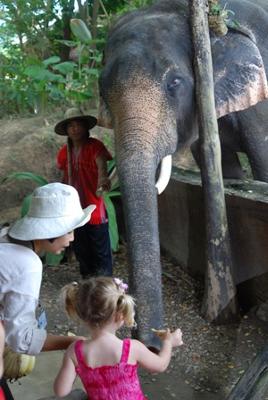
{"x": 54, "y": 213}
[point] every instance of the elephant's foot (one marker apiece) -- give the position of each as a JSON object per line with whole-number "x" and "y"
{"x": 262, "y": 312}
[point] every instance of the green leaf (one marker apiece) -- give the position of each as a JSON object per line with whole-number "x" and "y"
{"x": 25, "y": 205}
{"x": 36, "y": 72}
{"x": 25, "y": 175}
{"x": 114, "y": 193}
{"x": 111, "y": 165}
{"x": 69, "y": 43}
{"x": 113, "y": 228}
{"x": 39, "y": 73}
{"x": 78, "y": 96}
{"x": 53, "y": 259}
{"x": 65, "y": 67}
{"x": 94, "y": 71}
{"x": 80, "y": 30}
{"x": 51, "y": 60}
{"x": 56, "y": 93}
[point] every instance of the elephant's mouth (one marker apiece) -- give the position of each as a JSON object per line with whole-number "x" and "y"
{"x": 164, "y": 174}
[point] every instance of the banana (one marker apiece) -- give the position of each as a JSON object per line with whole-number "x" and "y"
{"x": 17, "y": 365}
{"x": 161, "y": 333}
{"x": 30, "y": 365}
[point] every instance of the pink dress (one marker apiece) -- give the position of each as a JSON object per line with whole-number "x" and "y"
{"x": 109, "y": 382}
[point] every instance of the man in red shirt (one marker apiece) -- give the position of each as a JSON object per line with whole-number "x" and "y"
{"x": 83, "y": 161}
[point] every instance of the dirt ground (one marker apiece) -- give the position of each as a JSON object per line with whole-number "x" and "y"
{"x": 213, "y": 357}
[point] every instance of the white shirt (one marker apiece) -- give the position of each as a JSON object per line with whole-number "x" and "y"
{"x": 20, "y": 281}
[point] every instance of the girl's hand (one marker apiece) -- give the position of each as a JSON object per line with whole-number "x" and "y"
{"x": 176, "y": 338}
{"x": 165, "y": 334}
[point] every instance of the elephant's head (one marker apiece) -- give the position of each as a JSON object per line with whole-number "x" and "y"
{"x": 148, "y": 98}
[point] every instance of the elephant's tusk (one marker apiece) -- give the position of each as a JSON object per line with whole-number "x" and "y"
{"x": 164, "y": 175}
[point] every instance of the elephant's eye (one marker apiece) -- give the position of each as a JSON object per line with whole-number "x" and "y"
{"x": 173, "y": 83}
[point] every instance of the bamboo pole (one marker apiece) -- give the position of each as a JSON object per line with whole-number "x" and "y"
{"x": 219, "y": 302}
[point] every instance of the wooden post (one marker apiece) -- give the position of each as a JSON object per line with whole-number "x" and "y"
{"x": 219, "y": 302}
{"x": 254, "y": 383}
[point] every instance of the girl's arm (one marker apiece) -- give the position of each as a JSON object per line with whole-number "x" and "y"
{"x": 64, "y": 381}
{"x": 157, "y": 362}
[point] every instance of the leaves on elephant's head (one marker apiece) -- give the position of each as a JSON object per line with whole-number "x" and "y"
{"x": 219, "y": 18}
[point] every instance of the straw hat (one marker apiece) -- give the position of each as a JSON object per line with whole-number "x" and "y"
{"x": 54, "y": 211}
{"x": 71, "y": 114}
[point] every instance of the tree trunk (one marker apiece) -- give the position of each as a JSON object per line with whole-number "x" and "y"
{"x": 83, "y": 11}
{"x": 67, "y": 14}
{"x": 95, "y": 12}
{"x": 219, "y": 303}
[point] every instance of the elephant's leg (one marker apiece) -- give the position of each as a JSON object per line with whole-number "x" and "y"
{"x": 195, "y": 149}
{"x": 258, "y": 158}
{"x": 254, "y": 134}
{"x": 231, "y": 167}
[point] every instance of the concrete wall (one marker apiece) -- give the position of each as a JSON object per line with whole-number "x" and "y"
{"x": 182, "y": 225}
{"x": 183, "y": 234}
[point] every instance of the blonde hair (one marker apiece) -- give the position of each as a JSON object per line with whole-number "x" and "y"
{"x": 96, "y": 300}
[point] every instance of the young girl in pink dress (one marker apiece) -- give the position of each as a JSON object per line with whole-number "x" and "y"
{"x": 107, "y": 365}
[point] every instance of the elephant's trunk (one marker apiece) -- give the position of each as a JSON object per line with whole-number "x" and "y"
{"x": 140, "y": 210}
{"x": 142, "y": 124}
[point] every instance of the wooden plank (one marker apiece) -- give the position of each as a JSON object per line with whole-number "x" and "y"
{"x": 219, "y": 303}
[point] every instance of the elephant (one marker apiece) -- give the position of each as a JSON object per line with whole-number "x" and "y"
{"x": 147, "y": 95}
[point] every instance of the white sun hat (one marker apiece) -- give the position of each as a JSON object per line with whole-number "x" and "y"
{"x": 54, "y": 211}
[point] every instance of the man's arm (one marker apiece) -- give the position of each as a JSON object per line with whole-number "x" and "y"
{"x": 103, "y": 180}
{"x": 57, "y": 342}
{"x": 21, "y": 327}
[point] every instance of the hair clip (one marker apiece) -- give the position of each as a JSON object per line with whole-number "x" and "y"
{"x": 123, "y": 286}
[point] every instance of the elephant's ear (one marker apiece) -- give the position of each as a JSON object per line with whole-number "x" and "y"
{"x": 104, "y": 116}
{"x": 239, "y": 75}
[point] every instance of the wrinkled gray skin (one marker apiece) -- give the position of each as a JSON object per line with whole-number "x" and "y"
{"x": 147, "y": 96}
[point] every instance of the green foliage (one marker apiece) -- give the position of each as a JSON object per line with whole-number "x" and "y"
{"x": 25, "y": 205}
{"x": 107, "y": 197}
{"x": 131, "y": 5}
{"x": 32, "y": 83}
{"x": 35, "y": 76}
{"x": 113, "y": 228}
{"x": 39, "y": 180}
{"x": 226, "y": 14}
{"x": 108, "y": 141}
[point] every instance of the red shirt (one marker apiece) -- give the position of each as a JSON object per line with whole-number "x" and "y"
{"x": 85, "y": 175}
